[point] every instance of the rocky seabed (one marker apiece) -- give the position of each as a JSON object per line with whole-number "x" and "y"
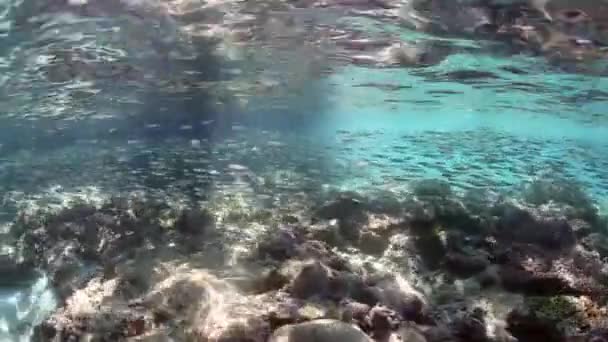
{"x": 427, "y": 267}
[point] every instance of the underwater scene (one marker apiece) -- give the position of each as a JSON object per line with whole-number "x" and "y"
{"x": 304, "y": 170}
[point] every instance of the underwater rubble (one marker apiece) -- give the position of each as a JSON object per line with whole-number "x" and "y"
{"x": 429, "y": 266}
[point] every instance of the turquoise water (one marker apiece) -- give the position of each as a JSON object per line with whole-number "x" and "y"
{"x": 268, "y": 122}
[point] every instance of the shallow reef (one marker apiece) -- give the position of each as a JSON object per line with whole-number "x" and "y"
{"x": 211, "y": 237}
{"x": 426, "y": 266}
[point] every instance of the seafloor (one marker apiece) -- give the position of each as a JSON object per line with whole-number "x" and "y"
{"x": 291, "y": 171}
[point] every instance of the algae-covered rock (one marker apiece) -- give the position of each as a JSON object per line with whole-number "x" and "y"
{"x": 560, "y": 316}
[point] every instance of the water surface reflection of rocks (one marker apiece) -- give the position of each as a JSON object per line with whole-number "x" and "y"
{"x": 427, "y": 267}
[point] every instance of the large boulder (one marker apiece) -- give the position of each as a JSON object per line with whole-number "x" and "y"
{"x": 325, "y": 330}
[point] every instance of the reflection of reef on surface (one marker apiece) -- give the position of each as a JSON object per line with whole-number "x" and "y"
{"x": 213, "y": 61}
{"x": 427, "y": 264}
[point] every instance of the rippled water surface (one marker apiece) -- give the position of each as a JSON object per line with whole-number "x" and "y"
{"x": 271, "y": 101}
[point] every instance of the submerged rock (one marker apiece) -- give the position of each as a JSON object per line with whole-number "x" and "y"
{"x": 397, "y": 294}
{"x": 313, "y": 279}
{"x": 565, "y": 192}
{"x": 75, "y": 243}
{"x": 372, "y": 243}
{"x": 355, "y": 311}
{"x": 195, "y": 222}
{"x": 325, "y": 330}
{"x": 520, "y": 225}
{"x": 409, "y": 333}
{"x": 89, "y": 313}
{"x": 350, "y": 212}
{"x": 270, "y": 280}
{"x": 528, "y": 328}
{"x": 597, "y": 242}
{"x": 381, "y": 321}
{"x": 202, "y": 306}
{"x": 471, "y": 327}
{"x": 534, "y": 270}
{"x": 344, "y": 206}
{"x": 281, "y": 245}
{"x": 464, "y": 265}
{"x": 432, "y": 188}
{"x": 568, "y": 315}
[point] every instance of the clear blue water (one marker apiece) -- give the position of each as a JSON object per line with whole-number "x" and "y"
{"x": 134, "y": 117}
